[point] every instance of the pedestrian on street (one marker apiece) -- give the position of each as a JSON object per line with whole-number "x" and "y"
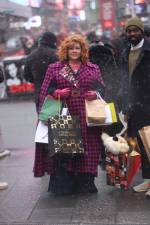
{"x": 76, "y": 79}
{"x": 103, "y": 57}
{"x": 3, "y": 152}
{"x": 135, "y": 65}
{"x": 38, "y": 60}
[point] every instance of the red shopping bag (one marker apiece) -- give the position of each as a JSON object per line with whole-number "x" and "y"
{"x": 116, "y": 170}
{"x": 134, "y": 164}
{"x": 121, "y": 169}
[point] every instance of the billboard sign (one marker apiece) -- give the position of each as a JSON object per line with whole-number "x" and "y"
{"x": 107, "y": 14}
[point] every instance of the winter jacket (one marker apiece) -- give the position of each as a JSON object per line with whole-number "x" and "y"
{"x": 136, "y": 95}
{"x": 86, "y": 78}
{"x": 36, "y": 65}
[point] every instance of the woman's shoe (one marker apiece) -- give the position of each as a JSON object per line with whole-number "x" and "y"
{"x": 85, "y": 183}
{"x": 88, "y": 188}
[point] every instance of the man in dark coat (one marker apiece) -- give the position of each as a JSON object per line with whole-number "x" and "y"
{"x": 37, "y": 62}
{"x": 135, "y": 64}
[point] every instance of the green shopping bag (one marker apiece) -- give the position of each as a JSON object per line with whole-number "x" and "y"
{"x": 51, "y": 107}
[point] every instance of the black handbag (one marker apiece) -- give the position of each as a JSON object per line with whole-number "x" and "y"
{"x": 64, "y": 135}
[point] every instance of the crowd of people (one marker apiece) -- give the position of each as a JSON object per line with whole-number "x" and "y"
{"x": 79, "y": 69}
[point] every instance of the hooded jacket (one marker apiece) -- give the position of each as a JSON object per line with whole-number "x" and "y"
{"x": 37, "y": 62}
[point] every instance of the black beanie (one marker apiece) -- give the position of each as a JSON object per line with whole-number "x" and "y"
{"x": 49, "y": 39}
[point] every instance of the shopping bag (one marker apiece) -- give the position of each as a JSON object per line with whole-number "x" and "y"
{"x": 111, "y": 116}
{"x": 121, "y": 169}
{"x": 51, "y": 107}
{"x": 145, "y": 137}
{"x": 116, "y": 170}
{"x": 134, "y": 164}
{"x": 41, "y": 134}
{"x": 95, "y": 112}
{"x": 99, "y": 113}
{"x": 64, "y": 135}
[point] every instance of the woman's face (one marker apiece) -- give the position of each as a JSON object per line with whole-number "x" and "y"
{"x": 74, "y": 52}
{"x": 12, "y": 69}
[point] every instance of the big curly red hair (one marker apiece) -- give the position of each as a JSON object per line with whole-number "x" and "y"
{"x": 69, "y": 42}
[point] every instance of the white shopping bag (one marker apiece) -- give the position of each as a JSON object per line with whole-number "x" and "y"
{"x": 41, "y": 135}
{"x": 109, "y": 119}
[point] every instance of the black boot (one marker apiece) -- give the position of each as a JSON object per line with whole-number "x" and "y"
{"x": 85, "y": 183}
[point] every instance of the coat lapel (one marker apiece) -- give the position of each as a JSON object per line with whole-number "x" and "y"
{"x": 144, "y": 48}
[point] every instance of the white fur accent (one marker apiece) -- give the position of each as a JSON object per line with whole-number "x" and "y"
{"x": 115, "y": 147}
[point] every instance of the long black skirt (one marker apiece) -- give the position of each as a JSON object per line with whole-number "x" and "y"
{"x": 62, "y": 182}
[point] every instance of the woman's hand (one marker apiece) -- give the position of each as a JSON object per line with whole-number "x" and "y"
{"x": 62, "y": 93}
{"x": 90, "y": 95}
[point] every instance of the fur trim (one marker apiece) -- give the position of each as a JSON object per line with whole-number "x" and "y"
{"x": 115, "y": 145}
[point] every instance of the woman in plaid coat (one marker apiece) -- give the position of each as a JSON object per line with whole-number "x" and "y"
{"x": 73, "y": 79}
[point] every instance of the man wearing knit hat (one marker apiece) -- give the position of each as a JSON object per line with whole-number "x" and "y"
{"x": 135, "y": 64}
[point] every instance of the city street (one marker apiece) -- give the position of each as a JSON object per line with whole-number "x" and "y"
{"x": 27, "y": 202}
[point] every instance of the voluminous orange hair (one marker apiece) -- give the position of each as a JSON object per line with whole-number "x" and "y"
{"x": 69, "y": 42}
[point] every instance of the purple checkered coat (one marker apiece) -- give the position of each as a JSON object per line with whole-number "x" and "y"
{"x": 89, "y": 73}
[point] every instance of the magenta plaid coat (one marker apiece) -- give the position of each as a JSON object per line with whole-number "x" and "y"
{"x": 88, "y": 74}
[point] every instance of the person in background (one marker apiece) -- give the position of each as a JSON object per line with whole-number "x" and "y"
{"x": 103, "y": 57}
{"x": 75, "y": 79}
{"x": 37, "y": 62}
{"x": 92, "y": 37}
{"x": 118, "y": 44}
{"x": 135, "y": 71}
{"x": 3, "y": 152}
{"x": 27, "y": 44}
{"x": 147, "y": 32}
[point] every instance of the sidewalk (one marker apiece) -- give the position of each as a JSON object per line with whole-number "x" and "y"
{"x": 27, "y": 202}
